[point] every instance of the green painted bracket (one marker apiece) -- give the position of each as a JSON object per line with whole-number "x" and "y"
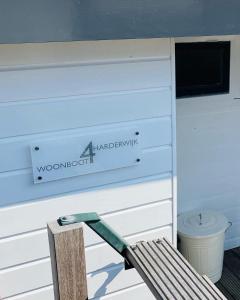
{"x": 100, "y": 227}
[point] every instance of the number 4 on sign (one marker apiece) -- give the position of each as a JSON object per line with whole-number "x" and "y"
{"x": 88, "y": 152}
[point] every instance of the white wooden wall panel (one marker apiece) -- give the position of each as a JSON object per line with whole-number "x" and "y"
{"x": 103, "y": 201}
{"x": 62, "y": 89}
{"x": 111, "y": 280}
{"x": 25, "y": 279}
{"x": 140, "y": 292}
{"x": 97, "y": 256}
{"x": 82, "y": 111}
{"x": 84, "y": 79}
{"x": 153, "y": 161}
{"x": 45, "y": 293}
{"x": 16, "y": 155}
{"x": 108, "y": 281}
{"x": 25, "y": 250}
{"x": 48, "y": 54}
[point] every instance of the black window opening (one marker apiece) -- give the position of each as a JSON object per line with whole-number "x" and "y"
{"x": 202, "y": 68}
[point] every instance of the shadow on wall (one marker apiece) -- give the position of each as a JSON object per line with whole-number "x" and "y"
{"x": 112, "y": 271}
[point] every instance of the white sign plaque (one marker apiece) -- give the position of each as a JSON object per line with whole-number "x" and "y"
{"x": 54, "y": 159}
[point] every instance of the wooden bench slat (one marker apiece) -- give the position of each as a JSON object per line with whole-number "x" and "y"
{"x": 164, "y": 266}
{"x": 208, "y": 291}
{"x": 167, "y": 273}
{"x": 212, "y": 286}
{"x": 161, "y": 273}
{"x": 185, "y": 273}
{"x": 142, "y": 266}
{"x": 191, "y": 291}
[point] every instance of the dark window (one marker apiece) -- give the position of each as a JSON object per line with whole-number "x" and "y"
{"x": 202, "y": 68}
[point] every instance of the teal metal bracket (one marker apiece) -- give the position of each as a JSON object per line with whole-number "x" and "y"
{"x": 102, "y": 229}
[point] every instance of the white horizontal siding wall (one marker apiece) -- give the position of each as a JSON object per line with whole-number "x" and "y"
{"x": 208, "y": 146}
{"x": 67, "y": 89}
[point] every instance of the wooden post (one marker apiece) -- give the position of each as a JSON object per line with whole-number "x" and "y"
{"x": 68, "y": 261}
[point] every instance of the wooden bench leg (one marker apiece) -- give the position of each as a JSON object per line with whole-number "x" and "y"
{"x": 68, "y": 261}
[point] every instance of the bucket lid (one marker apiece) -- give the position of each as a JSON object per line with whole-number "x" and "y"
{"x": 201, "y": 223}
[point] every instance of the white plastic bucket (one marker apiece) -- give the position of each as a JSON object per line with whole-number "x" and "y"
{"x": 202, "y": 235}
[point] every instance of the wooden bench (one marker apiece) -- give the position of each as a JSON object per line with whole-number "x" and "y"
{"x": 165, "y": 271}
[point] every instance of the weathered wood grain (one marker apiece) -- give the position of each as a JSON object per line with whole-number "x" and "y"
{"x": 168, "y": 274}
{"x": 68, "y": 261}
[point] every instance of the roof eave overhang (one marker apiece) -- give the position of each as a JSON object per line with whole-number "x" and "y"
{"x": 30, "y": 21}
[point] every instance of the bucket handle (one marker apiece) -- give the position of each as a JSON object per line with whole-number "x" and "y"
{"x": 229, "y": 226}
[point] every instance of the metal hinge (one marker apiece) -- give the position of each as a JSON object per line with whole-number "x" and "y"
{"x": 102, "y": 229}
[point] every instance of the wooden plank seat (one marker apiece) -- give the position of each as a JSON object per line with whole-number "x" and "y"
{"x": 167, "y": 273}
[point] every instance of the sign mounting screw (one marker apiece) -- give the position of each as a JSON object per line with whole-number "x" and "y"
{"x": 36, "y": 148}
{"x": 138, "y": 160}
{"x": 137, "y": 133}
{"x": 39, "y": 177}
